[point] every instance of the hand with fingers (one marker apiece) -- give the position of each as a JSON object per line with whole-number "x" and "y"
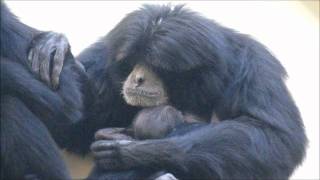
{"x": 108, "y": 154}
{"x": 126, "y": 154}
{"x": 108, "y": 142}
{"x": 46, "y": 57}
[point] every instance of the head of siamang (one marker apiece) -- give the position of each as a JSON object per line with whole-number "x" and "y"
{"x": 170, "y": 55}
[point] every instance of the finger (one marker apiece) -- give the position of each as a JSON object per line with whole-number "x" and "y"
{"x": 45, "y": 65}
{"x": 105, "y": 133}
{"x": 35, "y": 62}
{"x": 30, "y": 56}
{"x": 106, "y": 137}
{"x": 58, "y": 60}
{"x": 103, "y": 145}
{"x": 116, "y": 136}
{"x": 121, "y": 137}
{"x": 167, "y": 176}
{"x": 123, "y": 142}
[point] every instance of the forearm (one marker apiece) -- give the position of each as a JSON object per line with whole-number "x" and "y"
{"x": 54, "y": 108}
{"x": 235, "y": 149}
{"x": 240, "y": 148}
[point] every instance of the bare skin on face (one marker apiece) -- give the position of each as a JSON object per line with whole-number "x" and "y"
{"x": 144, "y": 88}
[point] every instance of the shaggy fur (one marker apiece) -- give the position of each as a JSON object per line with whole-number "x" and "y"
{"x": 32, "y": 114}
{"x": 207, "y": 69}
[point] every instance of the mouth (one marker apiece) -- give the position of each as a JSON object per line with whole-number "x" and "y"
{"x": 139, "y": 92}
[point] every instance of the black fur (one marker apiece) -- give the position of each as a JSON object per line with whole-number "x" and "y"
{"x": 32, "y": 114}
{"x": 207, "y": 68}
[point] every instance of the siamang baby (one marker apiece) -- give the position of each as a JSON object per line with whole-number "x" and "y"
{"x": 150, "y": 123}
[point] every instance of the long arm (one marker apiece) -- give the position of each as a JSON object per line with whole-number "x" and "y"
{"x": 234, "y": 148}
{"x": 21, "y": 78}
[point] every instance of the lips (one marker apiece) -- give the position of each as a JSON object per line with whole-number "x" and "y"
{"x": 139, "y": 92}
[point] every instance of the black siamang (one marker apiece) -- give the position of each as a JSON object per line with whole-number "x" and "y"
{"x": 34, "y": 117}
{"x": 202, "y": 69}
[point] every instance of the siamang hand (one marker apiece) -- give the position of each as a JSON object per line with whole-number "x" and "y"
{"x": 106, "y": 137}
{"x": 47, "y": 55}
{"x": 126, "y": 154}
{"x": 113, "y": 155}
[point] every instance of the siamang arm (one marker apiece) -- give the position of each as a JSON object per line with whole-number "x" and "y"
{"x": 52, "y": 107}
{"x": 242, "y": 147}
{"x": 18, "y": 38}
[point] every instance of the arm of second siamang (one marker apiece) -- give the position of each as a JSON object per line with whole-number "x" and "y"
{"x": 41, "y": 52}
{"x": 51, "y": 61}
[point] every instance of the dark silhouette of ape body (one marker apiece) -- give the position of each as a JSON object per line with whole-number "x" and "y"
{"x": 206, "y": 69}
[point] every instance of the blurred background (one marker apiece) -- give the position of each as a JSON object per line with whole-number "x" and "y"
{"x": 290, "y": 29}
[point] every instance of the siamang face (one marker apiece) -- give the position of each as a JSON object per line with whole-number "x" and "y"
{"x": 144, "y": 88}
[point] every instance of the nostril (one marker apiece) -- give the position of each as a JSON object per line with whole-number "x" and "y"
{"x": 140, "y": 80}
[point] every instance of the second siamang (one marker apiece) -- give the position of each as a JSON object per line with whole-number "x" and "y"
{"x": 34, "y": 117}
{"x": 201, "y": 69}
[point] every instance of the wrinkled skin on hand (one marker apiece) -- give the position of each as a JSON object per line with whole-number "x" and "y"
{"x": 113, "y": 134}
{"x": 108, "y": 145}
{"x": 128, "y": 154}
{"x": 115, "y": 149}
{"x": 46, "y": 57}
{"x": 111, "y": 154}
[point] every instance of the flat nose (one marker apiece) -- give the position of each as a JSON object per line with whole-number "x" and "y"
{"x": 139, "y": 80}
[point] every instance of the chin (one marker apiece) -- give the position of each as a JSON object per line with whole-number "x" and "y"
{"x": 142, "y": 101}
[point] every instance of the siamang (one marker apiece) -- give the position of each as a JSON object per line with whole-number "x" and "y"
{"x": 205, "y": 70}
{"x": 34, "y": 117}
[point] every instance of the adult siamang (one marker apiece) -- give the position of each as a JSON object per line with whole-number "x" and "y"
{"x": 201, "y": 69}
{"x": 33, "y": 116}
